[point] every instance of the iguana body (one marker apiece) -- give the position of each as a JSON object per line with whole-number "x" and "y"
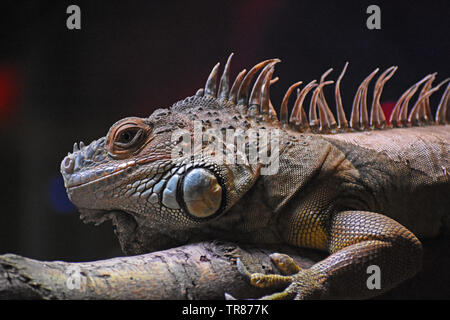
{"x": 361, "y": 191}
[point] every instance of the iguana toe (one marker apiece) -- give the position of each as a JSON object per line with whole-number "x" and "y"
{"x": 304, "y": 284}
{"x": 285, "y": 263}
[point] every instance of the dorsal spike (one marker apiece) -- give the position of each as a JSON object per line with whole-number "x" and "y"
{"x": 359, "y": 118}
{"x": 442, "y": 113}
{"x": 424, "y": 108}
{"x": 354, "y": 116}
{"x": 200, "y": 92}
{"x": 316, "y": 102}
{"x": 298, "y": 114}
{"x": 396, "y": 112}
{"x": 364, "y": 112}
{"x": 377, "y": 117}
{"x": 291, "y": 118}
{"x": 403, "y": 115}
{"x": 325, "y": 74}
{"x": 284, "y": 104}
{"x": 386, "y": 75}
{"x": 323, "y": 102}
{"x": 211, "y": 83}
{"x": 330, "y": 117}
{"x": 272, "y": 111}
{"x": 303, "y": 121}
{"x": 255, "y": 96}
{"x": 414, "y": 114}
{"x": 326, "y": 122}
{"x": 243, "y": 92}
{"x": 224, "y": 85}
{"x": 313, "y": 120}
{"x": 342, "y": 119}
{"x": 235, "y": 87}
{"x": 265, "y": 90}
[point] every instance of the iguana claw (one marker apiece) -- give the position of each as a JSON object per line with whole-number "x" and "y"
{"x": 300, "y": 284}
{"x": 229, "y": 297}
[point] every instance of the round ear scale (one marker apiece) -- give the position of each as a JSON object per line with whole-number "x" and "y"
{"x": 201, "y": 193}
{"x": 127, "y": 136}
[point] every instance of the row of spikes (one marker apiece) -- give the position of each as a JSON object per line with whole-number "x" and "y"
{"x": 321, "y": 119}
{"x": 256, "y": 102}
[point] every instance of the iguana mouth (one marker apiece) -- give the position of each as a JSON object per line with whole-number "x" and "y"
{"x": 81, "y": 179}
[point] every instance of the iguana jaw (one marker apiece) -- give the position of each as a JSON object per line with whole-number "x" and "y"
{"x": 97, "y": 176}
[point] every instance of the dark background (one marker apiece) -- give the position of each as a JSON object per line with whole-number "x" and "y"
{"x": 58, "y": 86}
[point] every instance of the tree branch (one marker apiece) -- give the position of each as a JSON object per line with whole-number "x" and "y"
{"x": 197, "y": 271}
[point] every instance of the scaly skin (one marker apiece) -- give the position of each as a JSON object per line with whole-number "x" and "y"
{"x": 361, "y": 194}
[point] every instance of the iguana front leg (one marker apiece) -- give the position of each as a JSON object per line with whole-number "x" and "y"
{"x": 357, "y": 240}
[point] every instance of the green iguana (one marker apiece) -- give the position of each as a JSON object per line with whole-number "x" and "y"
{"x": 362, "y": 190}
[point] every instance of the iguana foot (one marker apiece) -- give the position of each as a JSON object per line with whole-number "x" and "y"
{"x": 299, "y": 283}
{"x": 285, "y": 263}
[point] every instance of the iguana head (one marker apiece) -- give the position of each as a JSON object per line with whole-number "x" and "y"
{"x": 156, "y": 182}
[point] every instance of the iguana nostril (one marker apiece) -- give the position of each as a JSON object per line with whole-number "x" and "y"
{"x": 68, "y": 164}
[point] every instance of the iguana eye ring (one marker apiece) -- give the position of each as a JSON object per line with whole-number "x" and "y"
{"x": 126, "y": 137}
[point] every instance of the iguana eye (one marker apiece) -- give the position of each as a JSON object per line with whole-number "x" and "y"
{"x": 127, "y": 136}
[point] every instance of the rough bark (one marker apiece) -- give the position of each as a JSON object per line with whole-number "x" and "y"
{"x": 204, "y": 270}
{"x": 198, "y": 271}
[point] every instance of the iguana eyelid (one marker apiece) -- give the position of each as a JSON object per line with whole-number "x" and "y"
{"x": 118, "y": 149}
